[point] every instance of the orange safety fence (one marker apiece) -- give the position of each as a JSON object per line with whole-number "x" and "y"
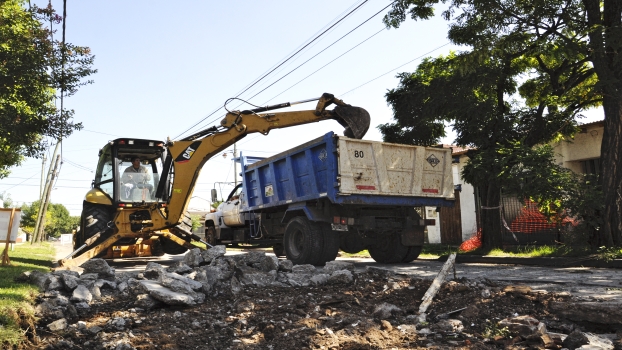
{"x": 530, "y": 220}
{"x": 472, "y": 243}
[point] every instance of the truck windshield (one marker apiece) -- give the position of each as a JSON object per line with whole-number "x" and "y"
{"x": 138, "y": 180}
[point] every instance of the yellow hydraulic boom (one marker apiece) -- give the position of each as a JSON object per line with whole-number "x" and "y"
{"x": 162, "y": 218}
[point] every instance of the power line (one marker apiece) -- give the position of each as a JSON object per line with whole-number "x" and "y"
{"x": 396, "y": 68}
{"x": 279, "y": 65}
{"x": 326, "y": 48}
{"x": 324, "y": 66}
{"x": 23, "y": 184}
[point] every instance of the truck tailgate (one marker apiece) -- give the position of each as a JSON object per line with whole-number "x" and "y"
{"x": 379, "y": 168}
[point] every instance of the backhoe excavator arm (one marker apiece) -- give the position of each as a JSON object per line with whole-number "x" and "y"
{"x": 188, "y": 156}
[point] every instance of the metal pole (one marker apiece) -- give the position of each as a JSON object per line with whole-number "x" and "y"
{"x": 235, "y": 164}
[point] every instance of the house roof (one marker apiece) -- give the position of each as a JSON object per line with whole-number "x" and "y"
{"x": 596, "y": 123}
{"x": 458, "y": 150}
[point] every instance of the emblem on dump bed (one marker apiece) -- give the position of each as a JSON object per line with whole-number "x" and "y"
{"x": 433, "y": 160}
{"x": 323, "y": 155}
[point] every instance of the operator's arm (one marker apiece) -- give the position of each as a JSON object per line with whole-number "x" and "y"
{"x": 145, "y": 173}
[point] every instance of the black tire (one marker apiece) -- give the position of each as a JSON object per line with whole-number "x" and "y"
{"x": 156, "y": 248}
{"x": 210, "y": 235}
{"x": 413, "y": 253}
{"x": 279, "y": 250}
{"x": 303, "y": 241}
{"x": 182, "y": 229}
{"x": 172, "y": 248}
{"x": 331, "y": 244}
{"x": 351, "y": 242}
{"x": 94, "y": 219}
{"x": 388, "y": 250}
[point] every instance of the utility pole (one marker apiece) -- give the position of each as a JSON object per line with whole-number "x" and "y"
{"x": 45, "y": 199}
{"x": 42, "y": 172}
{"x": 235, "y": 164}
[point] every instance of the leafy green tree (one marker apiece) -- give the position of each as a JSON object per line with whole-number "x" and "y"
{"x": 33, "y": 68}
{"x": 57, "y": 219}
{"x": 7, "y": 201}
{"x": 196, "y": 221}
{"x": 518, "y": 86}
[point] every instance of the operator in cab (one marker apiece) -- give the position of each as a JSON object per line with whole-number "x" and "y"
{"x": 135, "y": 176}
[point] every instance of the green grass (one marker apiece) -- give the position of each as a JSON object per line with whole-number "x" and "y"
{"x": 17, "y": 299}
{"x": 527, "y": 251}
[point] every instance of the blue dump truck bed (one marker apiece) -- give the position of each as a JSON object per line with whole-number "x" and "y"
{"x": 350, "y": 171}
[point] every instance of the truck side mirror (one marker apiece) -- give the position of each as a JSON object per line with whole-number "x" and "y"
{"x": 214, "y": 195}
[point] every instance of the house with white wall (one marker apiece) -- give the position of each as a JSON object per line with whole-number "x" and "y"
{"x": 580, "y": 153}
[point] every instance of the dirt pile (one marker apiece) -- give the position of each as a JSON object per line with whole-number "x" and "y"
{"x": 254, "y": 301}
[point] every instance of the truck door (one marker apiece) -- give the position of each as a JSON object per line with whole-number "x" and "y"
{"x": 231, "y": 208}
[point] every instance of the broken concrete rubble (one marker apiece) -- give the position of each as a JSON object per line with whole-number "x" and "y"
{"x": 238, "y": 292}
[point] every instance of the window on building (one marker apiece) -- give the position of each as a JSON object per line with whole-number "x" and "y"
{"x": 591, "y": 166}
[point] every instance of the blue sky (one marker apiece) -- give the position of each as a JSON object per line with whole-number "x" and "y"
{"x": 164, "y": 66}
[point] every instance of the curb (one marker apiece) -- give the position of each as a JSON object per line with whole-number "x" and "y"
{"x": 540, "y": 261}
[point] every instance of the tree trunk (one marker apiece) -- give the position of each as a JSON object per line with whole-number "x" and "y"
{"x": 611, "y": 177}
{"x": 491, "y": 216}
{"x": 606, "y": 45}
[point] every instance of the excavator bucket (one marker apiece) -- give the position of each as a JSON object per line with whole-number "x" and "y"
{"x": 355, "y": 119}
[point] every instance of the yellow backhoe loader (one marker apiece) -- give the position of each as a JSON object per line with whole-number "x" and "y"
{"x": 141, "y": 190}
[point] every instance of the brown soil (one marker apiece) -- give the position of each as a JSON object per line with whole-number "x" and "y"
{"x": 327, "y": 317}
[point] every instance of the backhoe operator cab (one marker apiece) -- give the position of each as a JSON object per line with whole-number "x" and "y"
{"x": 120, "y": 185}
{"x": 129, "y": 184}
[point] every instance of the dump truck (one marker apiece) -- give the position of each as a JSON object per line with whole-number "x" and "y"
{"x": 335, "y": 193}
{"x": 138, "y": 202}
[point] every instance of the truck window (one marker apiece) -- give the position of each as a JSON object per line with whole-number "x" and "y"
{"x": 104, "y": 173}
{"x": 235, "y": 194}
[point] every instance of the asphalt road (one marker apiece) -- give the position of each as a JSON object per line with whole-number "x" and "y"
{"x": 588, "y": 283}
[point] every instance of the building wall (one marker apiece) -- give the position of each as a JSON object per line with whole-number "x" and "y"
{"x": 467, "y": 201}
{"x": 583, "y": 146}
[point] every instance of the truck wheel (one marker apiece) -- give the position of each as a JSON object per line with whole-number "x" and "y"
{"x": 210, "y": 235}
{"x": 303, "y": 241}
{"x": 350, "y": 242}
{"x": 388, "y": 250}
{"x": 95, "y": 219}
{"x": 413, "y": 253}
{"x": 279, "y": 250}
{"x": 331, "y": 244}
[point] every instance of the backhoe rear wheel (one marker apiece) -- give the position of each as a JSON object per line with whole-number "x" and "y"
{"x": 303, "y": 241}
{"x": 388, "y": 249}
{"x": 172, "y": 248}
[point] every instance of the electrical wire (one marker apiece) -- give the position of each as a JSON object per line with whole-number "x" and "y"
{"x": 279, "y": 65}
{"x": 358, "y": 26}
{"x": 326, "y": 48}
{"x": 77, "y": 165}
{"x": 324, "y": 66}
{"x": 396, "y": 68}
{"x": 21, "y": 183}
